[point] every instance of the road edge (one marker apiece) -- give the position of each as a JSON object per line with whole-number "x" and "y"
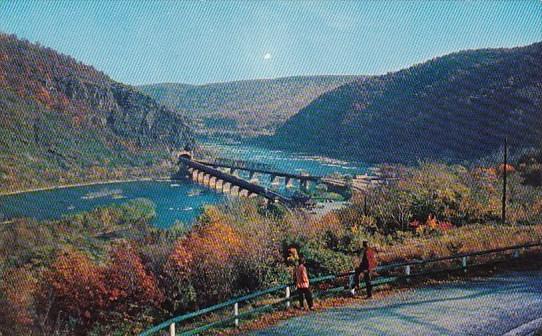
{"x": 527, "y": 329}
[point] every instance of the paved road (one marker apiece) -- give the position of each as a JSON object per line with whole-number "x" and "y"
{"x": 490, "y": 306}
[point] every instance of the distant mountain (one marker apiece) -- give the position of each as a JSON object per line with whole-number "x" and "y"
{"x": 243, "y": 108}
{"x": 63, "y": 121}
{"x": 457, "y": 107}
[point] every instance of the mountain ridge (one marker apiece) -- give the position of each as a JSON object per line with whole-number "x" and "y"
{"x": 243, "y": 108}
{"x": 61, "y": 117}
{"x": 426, "y": 111}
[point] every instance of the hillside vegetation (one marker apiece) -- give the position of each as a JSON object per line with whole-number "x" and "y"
{"x": 63, "y": 121}
{"x": 456, "y": 107}
{"x": 243, "y": 108}
{"x": 108, "y": 272}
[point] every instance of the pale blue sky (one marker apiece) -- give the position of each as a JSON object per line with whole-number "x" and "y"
{"x": 210, "y": 41}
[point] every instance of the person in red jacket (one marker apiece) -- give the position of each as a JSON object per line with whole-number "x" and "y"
{"x": 367, "y": 266}
{"x": 301, "y": 279}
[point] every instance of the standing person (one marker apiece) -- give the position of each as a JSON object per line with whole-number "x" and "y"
{"x": 301, "y": 278}
{"x": 367, "y": 266}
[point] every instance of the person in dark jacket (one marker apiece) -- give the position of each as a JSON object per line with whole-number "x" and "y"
{"x": 367, "y": 266}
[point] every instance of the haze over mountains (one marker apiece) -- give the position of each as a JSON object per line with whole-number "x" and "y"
{"x": 243, "y": 108}
{"x": 458, "y": 107}
{"x": 63, "y": 121}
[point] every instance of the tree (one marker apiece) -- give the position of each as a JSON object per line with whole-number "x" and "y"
{"x": 206, "y": 257}
{"x": 74, "y": 288}
{"x": 17, "y": 290}
{"x": 130, "y": 287}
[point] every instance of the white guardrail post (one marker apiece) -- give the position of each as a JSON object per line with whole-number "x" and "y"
{"x": 407, "y": 273}
{"x": 287, "y": 297}
{"x": 464, "y": 263}
{"x": 352, "y": 284}
{"x": 172, "y": 329}
{"x": 236, "y": 313}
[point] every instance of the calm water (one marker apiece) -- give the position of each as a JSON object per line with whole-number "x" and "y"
{"x": 174, "y": 201}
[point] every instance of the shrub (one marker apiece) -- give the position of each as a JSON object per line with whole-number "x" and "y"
{"x": 322, "y": 261}
{"x": 73, "y": 287}
{"x": 206, "y": 255}
{"x": 17, "y": 291}
{"x": 131, "y": 289}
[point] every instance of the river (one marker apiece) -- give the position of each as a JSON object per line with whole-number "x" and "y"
{"x": 175, "y": 201}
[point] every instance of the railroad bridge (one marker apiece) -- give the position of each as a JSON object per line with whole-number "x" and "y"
{"x": 223, "y": 176}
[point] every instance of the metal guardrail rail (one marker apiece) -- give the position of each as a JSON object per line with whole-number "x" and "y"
{"x": 406, "y": 273}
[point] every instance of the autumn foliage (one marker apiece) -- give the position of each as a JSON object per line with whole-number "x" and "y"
{"x": 110, "y": 286}
{"x": 17, "y": 288}
{"x": 129, "y": 285}
{"x": 206, "y": 257}
{"x": 78, "y": 288}
{"x": 75, "y": 286}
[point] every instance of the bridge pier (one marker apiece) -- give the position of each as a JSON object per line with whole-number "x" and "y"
{"x": 206, "y": 179}
{"x": 305, "y": 185}
{"x": 253, "y": 177}
{"x": 195, "y": 173}
{"x": 275, "y": 180}
{"x": 226, "y": 186}
{"x": 288, "y": 182}
{"x": 218, "y": 184}
{"x": 201, "y": 176}
{"x": 212, "y": 182}
{"x": 234, "y": 190}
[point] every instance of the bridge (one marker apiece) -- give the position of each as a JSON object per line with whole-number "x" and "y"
{"x": 229, "y": 183}
{"x": 223, "y": 175}
{"x": 253, "y": 169}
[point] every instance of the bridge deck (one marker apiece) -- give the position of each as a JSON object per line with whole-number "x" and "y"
{"x": 261, "y": 171}
{"x": 234, "y": 180}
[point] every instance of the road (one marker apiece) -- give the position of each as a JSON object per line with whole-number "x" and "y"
{"x": 491, "y": 306}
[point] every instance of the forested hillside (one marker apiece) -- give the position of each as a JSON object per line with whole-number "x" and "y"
{"x": 456, "y": 107}
{"x": 63, "y": 121}
{"x": 243, "y": 108}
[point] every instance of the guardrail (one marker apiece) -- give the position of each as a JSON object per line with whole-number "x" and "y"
{"x": 405, "y": 269}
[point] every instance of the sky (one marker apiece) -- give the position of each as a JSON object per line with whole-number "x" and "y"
{"x": 196, "y": 42}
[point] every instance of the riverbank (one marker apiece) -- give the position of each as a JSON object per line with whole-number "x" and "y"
{"x": 83, "y": 184}
{"x": 323, "y": 208}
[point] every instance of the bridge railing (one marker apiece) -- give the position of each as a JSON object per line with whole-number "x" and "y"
{"x": 281, "y": 295}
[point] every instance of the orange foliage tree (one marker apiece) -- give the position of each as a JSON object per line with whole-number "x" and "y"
{"x": 77, "y": 288}
{"x": 74, "y": 287}
{"x": 17, "y": 289}
{"x": 206, "y": 257}
{"x": 130, "y": 287}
